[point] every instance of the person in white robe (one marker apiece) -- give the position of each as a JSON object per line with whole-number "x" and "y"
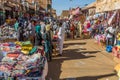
{"x": 61, "y": 34}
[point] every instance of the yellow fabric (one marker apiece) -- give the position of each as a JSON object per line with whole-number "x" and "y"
{"x": 117, "y": 67}
{"x": 118, "y": 46}
{"x": 118, "y": 73}
{"x": 95, "y": 21}
{"x": 27, "y": 48}
{"x": 18, "y": 43}
{"x": 25, "y": 52}
{"x": 30, "y": 45}
{"x": 48, "y": 27}
{"x": 118, "y": 36}
{"x": 8, "y": 21}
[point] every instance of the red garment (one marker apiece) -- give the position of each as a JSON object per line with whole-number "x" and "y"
{"x": 88, "y": 25}
{"x": 72, "y": 28}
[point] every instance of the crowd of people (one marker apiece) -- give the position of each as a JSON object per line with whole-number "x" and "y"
{"x": 42, "y": 32}
{"x": 101, "y": 28}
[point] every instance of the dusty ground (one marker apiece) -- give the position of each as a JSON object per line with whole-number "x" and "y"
{"x": 82, "y": 60}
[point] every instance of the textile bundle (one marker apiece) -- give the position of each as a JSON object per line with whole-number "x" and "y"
{"x": 16, "y": 63}
{"x": 7, "y": 32}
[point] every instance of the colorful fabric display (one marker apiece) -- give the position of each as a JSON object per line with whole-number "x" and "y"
{"x": 5, "y": 44}
{"x": 26, "y": 47}
{"x": 33, "y": 58}
{"x": 33, "y": 51}
{"x": 8, "y": 60}
{"x": 18, "y": 47}
{"x": 7, "y": 33}
{"x": 116, "y": 51}
{"x": 3, "y": 53}
{"x": 13, "y": 55}
{"x": 7, "y": 49}
{"x": 18, "y": 43}
{"x": 19, "y": 66}
{"x": 16, "y": 64}
{"x": 11, "y": 44}
{"x": 18, "y": 73}
{"x": 100, "y": 38}
{"x": 27, "y": 43}
{"x": 26, "y": 50}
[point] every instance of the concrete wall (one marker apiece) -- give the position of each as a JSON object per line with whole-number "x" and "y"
{"x": 107, "y": 5}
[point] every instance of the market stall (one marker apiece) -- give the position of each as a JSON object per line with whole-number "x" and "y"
{"x": 21, "y": 60}
{"x": 116, "y": 55}
{"x": 7, "y": 34}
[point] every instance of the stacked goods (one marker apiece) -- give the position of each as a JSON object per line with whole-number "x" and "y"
{"x": 116, "y": 49}
{"x": 7, "y": 32}
{"x": 100, "y": 38}
{"x": 22, "y": 60}
{"x": 116, "y": 54}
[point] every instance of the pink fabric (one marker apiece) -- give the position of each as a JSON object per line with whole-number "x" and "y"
{"x": 5, "y": 44}
{"x": 115, "y": 52}
{"x": 88, "y": 25}
{"x": 76, "y": 11}
{"x": 85, "y": 31}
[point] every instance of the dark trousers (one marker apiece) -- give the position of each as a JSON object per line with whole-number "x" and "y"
{"x": 110, "y": 41}
{"x": 48, "y": 55}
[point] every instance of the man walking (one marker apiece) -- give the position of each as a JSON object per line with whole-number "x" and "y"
{"x": 61, "y": 33}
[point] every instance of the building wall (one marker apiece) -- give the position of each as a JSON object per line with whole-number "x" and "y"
{"x": 44, "y": 3}
{"x": 65, "y": 14}
{"x": 107, "y": 5}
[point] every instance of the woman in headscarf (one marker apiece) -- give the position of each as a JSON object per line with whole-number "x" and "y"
{"x": 38, "y": 35}
{"x": 48, "y": 43}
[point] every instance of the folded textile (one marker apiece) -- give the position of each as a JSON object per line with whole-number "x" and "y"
{"x": 27, "y": 43}
{"x": 33, "y": 51}
{"x": 13, "y": 55}
{"x": 8, "y": 60}
{"x": 18, "y": 73}
{"x": 11, "y": 44}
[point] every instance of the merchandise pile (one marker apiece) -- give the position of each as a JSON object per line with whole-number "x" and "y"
{"x": 7, "y": 32}
{"x": 100, "y": 38}
{"x": 21, "y": 60}
{"x": 116, "y": 54}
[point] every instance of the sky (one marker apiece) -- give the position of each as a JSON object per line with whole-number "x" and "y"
{"x": 60, "y": 5}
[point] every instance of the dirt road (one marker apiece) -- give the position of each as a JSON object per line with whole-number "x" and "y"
{"x": 82, "y": 60}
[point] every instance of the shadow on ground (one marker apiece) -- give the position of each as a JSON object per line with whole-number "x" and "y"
{"x": 71, "y": 44}
{"x": 70, "y": 54}
{"x": 90, "y": 77}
